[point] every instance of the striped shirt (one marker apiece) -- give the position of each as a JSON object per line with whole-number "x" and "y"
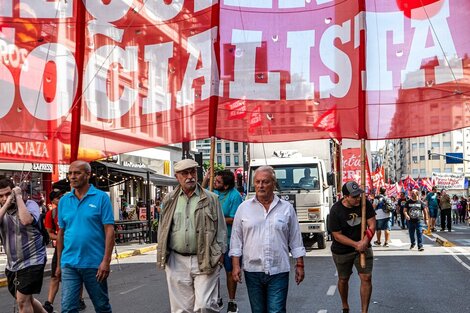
{"x": 24, "y": 246}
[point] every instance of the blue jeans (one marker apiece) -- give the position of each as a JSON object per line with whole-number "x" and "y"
{"x": 415, "y": 227}
{"x": 72, "y": 279}
{"x": 267, "y": 293}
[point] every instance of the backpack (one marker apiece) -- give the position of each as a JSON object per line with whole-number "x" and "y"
{"x": 385, "y": 204}
{"x": 46, "y": 240}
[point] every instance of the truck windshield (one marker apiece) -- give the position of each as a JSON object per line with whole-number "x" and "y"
{"x": 293, "y": 177}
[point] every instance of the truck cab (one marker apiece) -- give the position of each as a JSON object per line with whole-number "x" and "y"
{"x": 303, "y": 182}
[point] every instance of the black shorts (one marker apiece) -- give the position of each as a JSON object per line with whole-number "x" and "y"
{"x": 54, "y": 263}
{"x": 29, "y": 280}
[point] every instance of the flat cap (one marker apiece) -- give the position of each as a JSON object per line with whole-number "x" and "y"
{"x": 184, "y": 165}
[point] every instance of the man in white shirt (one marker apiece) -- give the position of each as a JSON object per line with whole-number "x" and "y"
{"x": 265, "y": 228}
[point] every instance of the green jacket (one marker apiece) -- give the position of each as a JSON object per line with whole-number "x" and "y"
{"x": 211, "y": 230}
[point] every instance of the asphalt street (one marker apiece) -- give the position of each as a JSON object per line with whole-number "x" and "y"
{"x": 432, "y": 281}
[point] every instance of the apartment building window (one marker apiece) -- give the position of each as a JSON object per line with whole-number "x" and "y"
{"x": 219, "y": 159}
{"x": 219, "y": 147}
{"x": 422, "y": 172}
{"x": 460, "y": 169}
{"x": 459, "y": 143}
{"x": 235, "y": 147}
{"x": 435, "y": 157}
{"x": 236, "y": 160}
{"x": 436, "y": 170}
{"x": 227, "y": 160}
{"x": 435, "y": 144}
{"x": 422, "y": 158}
{"x": 415, "y": 171}
{"x": 227, "y": 147}
{"x": 447, "y": 170}
{"x": 415, "y": 159}
{"x": 414, "y": 146}
{"x": 421, "y": 145}
{"x": 446, "y": 144}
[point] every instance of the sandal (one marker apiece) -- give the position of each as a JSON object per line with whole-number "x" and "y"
{"x": 377, "y": 243}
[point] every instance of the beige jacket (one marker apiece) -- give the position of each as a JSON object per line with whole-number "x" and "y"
{"x": 211, "y": 230}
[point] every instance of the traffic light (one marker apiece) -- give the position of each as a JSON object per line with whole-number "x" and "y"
{"x": 429, "y": 154}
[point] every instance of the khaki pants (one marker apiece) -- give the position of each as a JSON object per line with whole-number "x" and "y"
{"x": 188, "y": 288}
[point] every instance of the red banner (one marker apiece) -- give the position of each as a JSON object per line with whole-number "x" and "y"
{"x": 352, "y": 167}
{"x": 161, "y": 72}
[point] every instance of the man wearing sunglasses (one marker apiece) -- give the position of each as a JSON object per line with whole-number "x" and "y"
{"x": 347, "y": 246}
{"x": 192, "y": 239}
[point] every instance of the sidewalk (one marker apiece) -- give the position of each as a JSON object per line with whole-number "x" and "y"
{"x": 121, "y": 251}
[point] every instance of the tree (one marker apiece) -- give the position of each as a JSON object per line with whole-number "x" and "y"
{"x": 217, "y": 167}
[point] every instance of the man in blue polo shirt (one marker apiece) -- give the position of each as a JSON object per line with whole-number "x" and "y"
{"x": 85, "y": 241}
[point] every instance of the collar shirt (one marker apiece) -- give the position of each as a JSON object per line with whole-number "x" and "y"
{"x": 265, "y": 238}
{"x": 183, "y": 229}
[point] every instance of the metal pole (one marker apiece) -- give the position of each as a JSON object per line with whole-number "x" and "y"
{"x": 149, "y": 218}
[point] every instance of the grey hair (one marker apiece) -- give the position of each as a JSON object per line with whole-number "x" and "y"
{"x": 83, "y": 164}
{"x": 268, "y": 169}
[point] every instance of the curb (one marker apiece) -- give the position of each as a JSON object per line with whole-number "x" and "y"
{"x": 442, "y": 241}
{"x": 122, "y": 255}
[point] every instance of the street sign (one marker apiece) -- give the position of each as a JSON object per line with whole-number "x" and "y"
{"x": 454, "y": 158}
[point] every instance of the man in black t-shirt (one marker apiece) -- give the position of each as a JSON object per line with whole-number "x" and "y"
{"x": 345, "y": 225}
{"x": 415, "y": 212}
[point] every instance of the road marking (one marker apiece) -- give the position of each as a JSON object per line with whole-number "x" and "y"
{"x": 331, "y": 290}
{"x": 322, "y": 311}
{"x": 132, "y": 289}
{"x": 457, "y": 258}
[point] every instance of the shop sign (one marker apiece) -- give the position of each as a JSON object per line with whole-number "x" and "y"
{"x": 42, "y": 167}
{"x": 132, "y": 164}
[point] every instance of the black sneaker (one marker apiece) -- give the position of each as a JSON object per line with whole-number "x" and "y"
{"x": 386, "y": 244}
{"x": 82, "y": 305}
{"x": 420, "y": 248}
{"x": 412, "y": 246}
{"x": 48, "y": 307}
{"x": 232, "y": 307}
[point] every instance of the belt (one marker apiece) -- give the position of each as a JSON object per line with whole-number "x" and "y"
{"x": 183, "y": 253}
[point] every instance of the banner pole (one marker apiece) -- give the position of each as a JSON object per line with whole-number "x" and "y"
{"x": 211, "y": 168}
{"x": 363, "y": 198}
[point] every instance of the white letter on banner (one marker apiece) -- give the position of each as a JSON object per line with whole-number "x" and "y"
{"x": 244, "y": 86}
{"x": 201, "y": 45}
{"x": 379, "y": 25}
{"x": 289, "y": 4}
{"x": 46, "y": 9}
{"x": 32, "y": 81}
{"x": 413, "y": 76}
{"x": 105, "y": 14}
{"x": 7, "y": 86}
{"x": 300, "y": 86}
{"x": 159, "y": 10}
{"x": 6, "y": 9}
{"x": 96, "y": 75}
{"x": 259, "y": 4}
{"x": 200, "y": 5}
{"x": 159, "y": 99}
{"x": 336, "y": 60}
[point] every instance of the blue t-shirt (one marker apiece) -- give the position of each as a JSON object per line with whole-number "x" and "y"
{"x": 431, "y": 198}
{"x": 229, "y": 201}
{"x": 83, "y": 224}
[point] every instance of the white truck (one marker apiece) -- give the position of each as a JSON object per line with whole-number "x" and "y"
{"x": 304, "y": 182}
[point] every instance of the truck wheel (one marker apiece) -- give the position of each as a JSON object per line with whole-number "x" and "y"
{"x": 309, "y": 241}
{"x": 321, "y": 241}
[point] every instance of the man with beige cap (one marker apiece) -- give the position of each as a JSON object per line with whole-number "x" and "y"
{"x": 191, "y": 242}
